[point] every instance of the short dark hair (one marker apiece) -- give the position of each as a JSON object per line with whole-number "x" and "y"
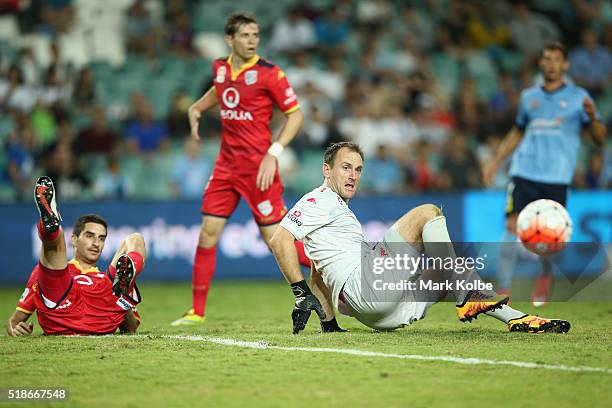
{"x": 79, "y": 224}
{"x": 555, "y": 46}
{"x": 235, "y": 20}
{"x": 332, "y": 150}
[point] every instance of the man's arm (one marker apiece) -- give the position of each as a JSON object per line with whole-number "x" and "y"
{"x": 207, "y": 101}
{"x": 283, "y": 248}
{"x": 17, "y": 324}
{"x": 505, "y": 149}
{"x": 596, "y": 128}
{"x": 322, "y": 292}
{"x": 267, "y": 168}
{"x": 130, "y": 323}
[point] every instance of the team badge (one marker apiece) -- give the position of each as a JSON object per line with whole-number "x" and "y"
{"x": 563, "y": 104}
{"x": 24, "y": 295}
{"x": 221, "y": 72}
{"x": 250, "y": 77}
{"x": 265, "y": 207}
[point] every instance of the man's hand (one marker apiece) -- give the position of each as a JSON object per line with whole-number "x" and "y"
{"x": 267, "y": 170}
{"x": 194, "y": 122}
{"x": 301, "y": 312}
{"x": 20, "y": 329}
{"x": 305, "y": 303}
{"x": 331, "y": 326}
{"x": 488, "y": 173}
{"x": 589, "y": 107}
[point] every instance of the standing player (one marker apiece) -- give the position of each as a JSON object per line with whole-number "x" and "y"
{"x": 246, "y": 87}
{"x": 74, "y": 297}
{"x": 335, "y": 243}
{"x": 544, "y": 144}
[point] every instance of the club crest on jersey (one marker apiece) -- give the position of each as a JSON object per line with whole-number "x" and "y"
{"x": 24, "y": 295}
{"x": 265, "y": 207}
{"x": 250, "y": 77}
{"x": 221, "y": 72}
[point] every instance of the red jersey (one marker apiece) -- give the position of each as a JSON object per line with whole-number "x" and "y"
{"x": 89, "y": 306}
{"x": 246, "y": 98}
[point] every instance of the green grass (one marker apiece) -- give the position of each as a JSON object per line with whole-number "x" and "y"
{"x": 153, "y": 371}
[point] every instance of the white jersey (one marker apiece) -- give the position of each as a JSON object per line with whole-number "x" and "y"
{"x": 331, "y": 234}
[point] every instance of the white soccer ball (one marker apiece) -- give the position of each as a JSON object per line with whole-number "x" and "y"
{"x": 544, "y": 226}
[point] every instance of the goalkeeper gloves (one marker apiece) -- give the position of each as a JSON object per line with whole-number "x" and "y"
{"x": 331, "y": 326}
{"x": 305, "y": 303}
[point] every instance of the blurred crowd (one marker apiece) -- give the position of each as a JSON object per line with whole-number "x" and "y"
{"x": 95, "y": 94}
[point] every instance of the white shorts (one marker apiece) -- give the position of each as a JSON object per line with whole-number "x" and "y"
{"x": 384, "y": 309}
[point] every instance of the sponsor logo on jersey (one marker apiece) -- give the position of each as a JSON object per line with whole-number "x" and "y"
{"x": 265, "y": 207}
{"x": 221, "y": 72}
{"x": 83, "y": 280}
{"x": 250, "y": 77}
{"x": 124, "y": 304}
{"x": 66, "y": 304}
{"x": 231, "y": 97}
{"x": 24, "y": 295}
{"x": 294, "y": 217}
{"x": 547, "y": 123}
{"x": 229, "y": 114}
{"x": 291, "y": 96}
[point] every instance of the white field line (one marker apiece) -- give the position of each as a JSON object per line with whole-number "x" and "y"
{"x": 363, "y": 353}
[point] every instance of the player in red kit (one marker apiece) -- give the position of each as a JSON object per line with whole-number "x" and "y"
{"x": 74, "y": 297}
{"x": 246, "y": 87}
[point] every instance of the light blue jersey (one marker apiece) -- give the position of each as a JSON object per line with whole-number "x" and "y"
{"x": 551, "y": 123}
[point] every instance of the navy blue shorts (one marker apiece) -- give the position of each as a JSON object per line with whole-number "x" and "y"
{"x": 521, "y": 192}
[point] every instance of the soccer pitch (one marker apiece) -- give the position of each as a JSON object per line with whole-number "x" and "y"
{"x": 245, "y": 355}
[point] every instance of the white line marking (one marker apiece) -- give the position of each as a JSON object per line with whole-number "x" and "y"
{"x": 458, "y": 360}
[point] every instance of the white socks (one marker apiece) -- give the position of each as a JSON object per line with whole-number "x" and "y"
{"x": 505, "y": 314}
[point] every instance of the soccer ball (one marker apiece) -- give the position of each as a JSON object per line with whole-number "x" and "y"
{"x": 544, "y": 226}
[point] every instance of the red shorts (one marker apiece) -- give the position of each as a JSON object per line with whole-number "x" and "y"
{"x": 222, "y": 195}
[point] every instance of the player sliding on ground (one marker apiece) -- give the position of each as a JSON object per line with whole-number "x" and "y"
{"x": 335, "y": 244}
{"x": 74, "y": 297}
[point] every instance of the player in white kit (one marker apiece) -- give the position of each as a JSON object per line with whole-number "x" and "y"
{"x": 335, "y": 243}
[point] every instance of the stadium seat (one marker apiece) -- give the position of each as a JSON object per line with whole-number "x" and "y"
{"x": 7, "y": 126}
{"x": 480, "y": 67}
{"x": 309, "y": 174}
{"x": 446, "y": 69}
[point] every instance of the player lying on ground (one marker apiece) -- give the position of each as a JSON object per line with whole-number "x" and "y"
{"x": 334, "y": 242}
{"x": 74, "y": 297}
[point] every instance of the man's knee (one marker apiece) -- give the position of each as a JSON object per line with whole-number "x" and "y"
{"x": 209, "y": 235}
{"x": 429, "y": 211}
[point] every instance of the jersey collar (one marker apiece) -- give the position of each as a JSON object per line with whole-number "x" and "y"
{"x": 563, "y": 85}
{"x": 80, "y": 268}
{"x": 252, "y": 61}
